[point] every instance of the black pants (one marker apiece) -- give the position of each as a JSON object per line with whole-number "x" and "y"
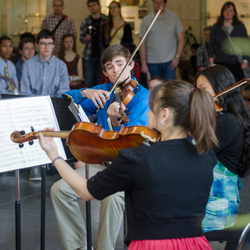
{"x": 235, "y": 70}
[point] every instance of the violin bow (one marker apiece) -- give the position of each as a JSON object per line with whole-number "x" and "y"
{"x": 236, "y": 85}
{"x": 136, "y": 49}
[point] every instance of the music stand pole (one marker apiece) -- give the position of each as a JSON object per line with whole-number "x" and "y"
{"x": 88, "y": 215}
{"x": 18, "y": 213}
{"x": 43, "y": 197}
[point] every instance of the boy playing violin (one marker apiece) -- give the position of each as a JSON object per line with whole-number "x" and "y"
{"x": 64, "y": 198}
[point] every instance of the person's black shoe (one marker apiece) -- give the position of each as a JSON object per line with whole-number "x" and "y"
{"x": 35, "y": 174}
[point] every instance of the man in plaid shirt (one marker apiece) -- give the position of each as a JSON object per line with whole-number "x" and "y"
{"x": 93, "y": 41}
{"x": 51, "y": 21}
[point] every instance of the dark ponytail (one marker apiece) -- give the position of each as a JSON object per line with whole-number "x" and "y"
{"x": 232, "y": 102}
{"x": 193, "y": 110}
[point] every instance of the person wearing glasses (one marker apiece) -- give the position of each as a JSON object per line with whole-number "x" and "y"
{"x": 116, "y": 30}
{"x": 27, "y": 50}
{"x": 44, "y": 74}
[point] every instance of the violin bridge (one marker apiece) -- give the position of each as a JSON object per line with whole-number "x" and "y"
{"x": 117, "y": 91}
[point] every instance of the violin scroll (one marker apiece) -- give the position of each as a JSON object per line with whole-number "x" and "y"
{"x": 20, "y": 137}
{"x": 218, "y": 108}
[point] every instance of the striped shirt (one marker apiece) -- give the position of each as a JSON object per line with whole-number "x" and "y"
{"x": 87, "y": 53}
{"x": 202, "y": 56}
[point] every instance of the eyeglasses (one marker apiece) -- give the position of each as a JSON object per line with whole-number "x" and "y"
{"x": 111, "y": 8}
{"x": 46, "y": 44}
{"x": 30, "y": 49}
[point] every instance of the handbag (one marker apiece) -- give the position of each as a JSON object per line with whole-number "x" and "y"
{"x": 110, "y": 39}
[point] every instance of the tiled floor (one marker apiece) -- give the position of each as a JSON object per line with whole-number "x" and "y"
{"x": 30, "y": 200}
{"x": 30, "y": 196}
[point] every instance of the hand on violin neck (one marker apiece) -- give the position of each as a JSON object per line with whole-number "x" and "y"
{"x": 114, "y": 113}
{"x": 98, "y": 96}
{"x": 48, "y": 144}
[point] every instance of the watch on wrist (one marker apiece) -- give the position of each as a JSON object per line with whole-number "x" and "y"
{"x": 177, "y": 56}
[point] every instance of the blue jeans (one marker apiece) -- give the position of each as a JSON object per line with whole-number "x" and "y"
{"x": 92, "y": 72}
{"x": 162, "y": 69}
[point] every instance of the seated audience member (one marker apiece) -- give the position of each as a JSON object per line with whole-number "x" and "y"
{"x": 161, "y": 214}
{"x": 44, "y": 74}
{"x": 67, "y": 53}
{"x": 26, "y": 50}
{"x": 27, "y": 35}
{"x": 202, "y": 52}
{"x": 233, "y": 155}
{"x": 24, "y": 35}
{"x": 154, "y": 81}
{"x": 7, "y": 68}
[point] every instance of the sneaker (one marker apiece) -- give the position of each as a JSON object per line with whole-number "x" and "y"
{"x": 35, "y": 174}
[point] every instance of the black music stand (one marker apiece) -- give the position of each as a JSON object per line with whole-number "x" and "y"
{"x": 17, "y": 203}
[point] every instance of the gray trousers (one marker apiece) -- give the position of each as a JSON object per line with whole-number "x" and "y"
{"x": 70, "y": 220}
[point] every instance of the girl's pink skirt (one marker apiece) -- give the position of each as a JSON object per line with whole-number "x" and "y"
{"x": 195, "y": 243}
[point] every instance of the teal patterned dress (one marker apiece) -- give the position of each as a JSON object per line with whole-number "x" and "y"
{"x": 221, "y": 209}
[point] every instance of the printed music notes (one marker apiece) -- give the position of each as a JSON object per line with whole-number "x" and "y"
{"x": 21, "y": 114}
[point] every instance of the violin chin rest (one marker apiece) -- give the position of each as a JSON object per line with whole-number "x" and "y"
{"x": 146, "y": 143}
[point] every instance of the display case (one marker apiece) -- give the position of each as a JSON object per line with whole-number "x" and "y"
{"x": 19, "y": 16}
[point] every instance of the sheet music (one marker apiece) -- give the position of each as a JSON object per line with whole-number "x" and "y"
{"x": 82, "y": 116}
{"x": 20, "y": 114}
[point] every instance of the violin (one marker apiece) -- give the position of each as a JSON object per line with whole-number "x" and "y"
{"x": 218, "y": 108}
{"x": 234, "y": 86}
{"x": 91, "y": 143}
{"x": 12, "y": 85}
{"x": 124, "y": 94}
